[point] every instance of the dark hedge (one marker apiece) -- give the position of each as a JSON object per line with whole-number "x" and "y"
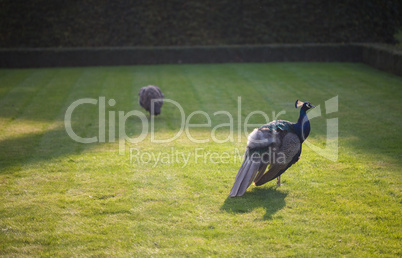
{"x": 71, "y": 57}
{"x": 99, "y": 23}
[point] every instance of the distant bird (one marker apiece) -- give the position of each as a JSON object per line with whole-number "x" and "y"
{"x": 149, "y": 93}
{"x": 277, "y": 144}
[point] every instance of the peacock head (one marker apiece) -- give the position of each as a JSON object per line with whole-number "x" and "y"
{"x": 305, "y": 105}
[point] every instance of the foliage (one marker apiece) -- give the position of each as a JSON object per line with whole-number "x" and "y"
{"x": 88, "y": 23}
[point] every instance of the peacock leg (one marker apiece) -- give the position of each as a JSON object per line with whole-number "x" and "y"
{"x": 278, "y": 181}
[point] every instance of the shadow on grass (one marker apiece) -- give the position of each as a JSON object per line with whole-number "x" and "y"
{"x": 37, "y": 147}
{"x": 271, "y": 199}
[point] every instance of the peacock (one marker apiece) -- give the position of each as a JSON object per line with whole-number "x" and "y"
{"x": 277, "y": 144}
{"x": 151, "y": 98}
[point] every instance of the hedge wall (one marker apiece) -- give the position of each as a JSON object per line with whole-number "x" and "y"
{"x": 99, "y": 23}
{"x": 62, "y": 57}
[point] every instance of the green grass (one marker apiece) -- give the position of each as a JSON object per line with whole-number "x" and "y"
{"x": 63, "y": 198}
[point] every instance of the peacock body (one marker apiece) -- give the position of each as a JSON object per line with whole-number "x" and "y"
{"x": 276, "y": 146}
{"x": 151, "y": 98}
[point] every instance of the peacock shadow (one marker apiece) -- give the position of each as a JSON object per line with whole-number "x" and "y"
{"x": 271, "y": 199}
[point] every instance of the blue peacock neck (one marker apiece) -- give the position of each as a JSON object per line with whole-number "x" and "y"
{"x": 302, "y": 127}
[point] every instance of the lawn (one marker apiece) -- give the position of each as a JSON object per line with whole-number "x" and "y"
{"x": 165, "y": 192}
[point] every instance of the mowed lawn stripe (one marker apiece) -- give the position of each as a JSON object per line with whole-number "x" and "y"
{"x": 21, "y": 94}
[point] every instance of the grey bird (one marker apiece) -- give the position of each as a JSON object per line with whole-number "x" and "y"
{"x": 151, "y": 99}
{"x": 277, "y": 144}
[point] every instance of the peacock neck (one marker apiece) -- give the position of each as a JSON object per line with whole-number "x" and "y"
{"x": 302, "y": 126}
